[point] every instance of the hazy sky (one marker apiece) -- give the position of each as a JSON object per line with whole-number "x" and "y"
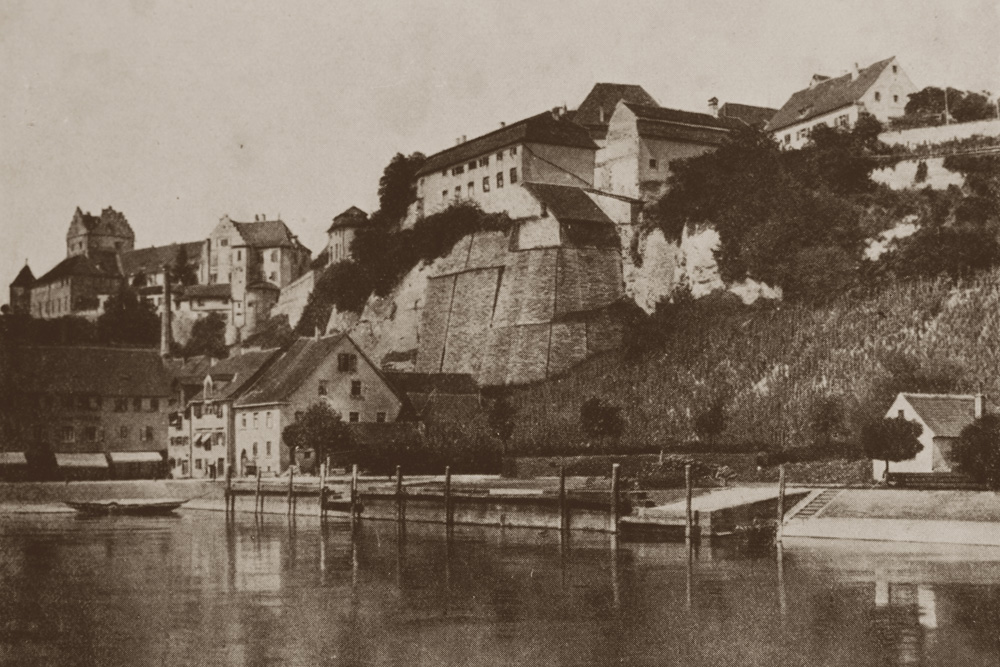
{"x": 176, "y": 113}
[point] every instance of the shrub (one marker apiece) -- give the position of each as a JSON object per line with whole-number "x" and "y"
{"x": 977, "y": 451}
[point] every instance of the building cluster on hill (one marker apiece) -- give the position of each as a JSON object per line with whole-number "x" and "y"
{"x": 506, "y": 308}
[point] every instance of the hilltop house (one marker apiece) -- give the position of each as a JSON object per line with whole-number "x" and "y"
{"x": 89, "y": 412}
{"x": 340, "y": 235}
{"x": 489, "y": 170}
{"x": 331, "y": 369}
{"x": 212, "y": 417}
{"x": 881, "y": 89}
{"x": 942, "y": 417}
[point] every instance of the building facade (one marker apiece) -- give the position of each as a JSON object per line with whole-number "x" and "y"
{"x": 340, "y": 235}
{"x": 881, "y": 89}
{"x": 331, "y": 369}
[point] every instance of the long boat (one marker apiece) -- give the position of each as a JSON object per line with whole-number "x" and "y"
{"x": 139, "y": 507}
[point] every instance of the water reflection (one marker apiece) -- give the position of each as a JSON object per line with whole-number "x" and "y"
{"x": 201, "y": 590}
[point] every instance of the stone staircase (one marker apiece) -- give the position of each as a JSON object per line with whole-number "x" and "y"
{"x": 813, "y": 504}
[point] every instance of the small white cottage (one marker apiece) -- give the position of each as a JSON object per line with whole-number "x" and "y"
{"x": 942, "y": 416}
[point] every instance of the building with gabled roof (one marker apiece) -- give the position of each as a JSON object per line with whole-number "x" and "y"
{"x": 20, "y": 291}
{"x": 941, "y": 418}
{"x": 489, "y": 170}
{"x": 642, "y": 140}
{"x": 595, "y": 112}
{"x": 881, "y": 89}
{"x": 754, "y": 116}
{"x": 107, "y": 233}
{"x": 331, "y": 369}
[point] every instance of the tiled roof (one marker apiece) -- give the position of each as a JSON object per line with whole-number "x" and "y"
{"x": 945, "y": 415}
{"x": 102, "y": 371}
{"x": 607, "y": 96}
{"x": 263, "y": 285}
{"x": 216, "y": 291}
{"x": 352, "y": 217}
{"x": 542, "y": 129}
{"x": 425, "y": 383}
{"x": 749, "y": 114}
{"x": 664, "y": 115}
{"x": 566, "y": 203}
{"x": 826, "y": 96}
{"x": 238, "y": 371}
{"x": 190, "y": 370}
{"x": 25, "y": 278}
{"x": 98, "y": 265}
{"x": 266, "y": 234}
{"x": 290, "y": 370}
{"x": 275, "y": 332}
{"x": 152, "y": 260}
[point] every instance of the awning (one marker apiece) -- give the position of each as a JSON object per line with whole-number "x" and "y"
{"x": 65, "y": 460}
{"x": 13, "y": 459}
{"x": 136, "y": 457}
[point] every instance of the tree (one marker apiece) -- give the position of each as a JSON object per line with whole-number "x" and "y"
{"x": 709, "y": 423}
{"x": 977, "y": 452}
{"x": 397, "y": 188}
{"x": 319, "y": 429}
{"x": 501, "y": 420}
{"x": 826, "y": 416}
{"x": 128, "y": 319}
{"x": 891, "y": 439}
{"x": 963, "y": 106}
{"x": 208, "y": 336}
{"x": 601, "y": 420}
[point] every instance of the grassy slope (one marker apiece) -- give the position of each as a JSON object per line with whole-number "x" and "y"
{"x": 771, "y": 365}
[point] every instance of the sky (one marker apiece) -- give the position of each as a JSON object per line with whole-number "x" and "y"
{"x": 177, "y": 113}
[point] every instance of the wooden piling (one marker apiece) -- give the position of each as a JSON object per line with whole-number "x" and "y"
{"x": 448, "y": 518}
{"x": 563, "y": 510}
{"x": 614, "y": 497}
{"x": 781, "y": 502}
{"x": 322, "y": 491}
{"x": 400, "y": 511}
{"x": 258, "y": 500}
{"x": 688, "y": 495}
{"x": 230, "y": 500}
{"x": 354, "y": 494}
{"x": 291, "y": 488}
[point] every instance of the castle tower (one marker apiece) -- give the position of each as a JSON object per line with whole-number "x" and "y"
{"x": 90, "y": 234}
{"x": 20, "y": 291}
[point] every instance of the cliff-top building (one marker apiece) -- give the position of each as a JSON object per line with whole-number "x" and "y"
{"x": 881, "y": 90}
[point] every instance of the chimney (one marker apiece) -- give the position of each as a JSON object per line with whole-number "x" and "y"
{"x": 855, "y": 72}
{"x": 600, "y": 114}
{"x": 978, "y": 410}
{"x": 713, "y": 107}
{"x": 165, "y": 332}
{"x": 463, "y": 139}
{"x": 503, "y": 124}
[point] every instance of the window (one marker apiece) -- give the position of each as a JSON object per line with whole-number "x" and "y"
{"x": 499, "y": 179}
{"x": 243, "y": 421}
{"x": 878, "y": 96}
{"x": 895, "y": 98}
{"x": 545, "y": 210}
{"x": 354, "y": 417}
{"x": 67, "y": 434}
{"x": 513, "y": 176}
{"x": 472, "y": 165}
{"x": 460, "y": 169}
{"x": 895, "y": 69}
{"x": 274, "y": 255}
{"x": 136, "y": 405}
{"x": 842, "y": 121}
{"x": 267, "y": 448}
{"x": 347, "y": 363}
{"x": 267, "y": 419}
{"x": 121, "y": 405}
{"x": 355, "y": 387}
{"x": 484, "y": 161}
{"x": 197, "y": 464}
{"x": 444, "y": 172}
{"x": 471, "y": 189}
{"x": 652, "y": 163}
{"x": 197, "y": 410}
{"x": 499, "y": 155}
{"x": 513, "y": 151}
{"x": 380, "y": 417}
{"x": 255, "y": 450}
{"x": 123, "y": 432}
{"x": 223, "y": 241}
{"x": 255, "y": 424}
{"x": 324, "y": 387}
{"x": 458, "y": 191}
{"x": 239, "y": 255}
{"x": 486, "y": 183}
{"x": 444, "y": 195}
{"x": 154, "y": 405}
{"x": 147, "y": 434}
{"x": 90, "y": 433}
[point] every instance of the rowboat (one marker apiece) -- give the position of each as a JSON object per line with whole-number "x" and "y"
{"x": 132, "y": 507}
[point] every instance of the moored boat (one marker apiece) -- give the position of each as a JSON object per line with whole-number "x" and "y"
{"x": 126, "y": 506}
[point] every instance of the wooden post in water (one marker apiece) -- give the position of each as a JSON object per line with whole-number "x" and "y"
{"x": 447, "y": 499}
{"x": 258, "y": 500}
{"x": 563, "y": 510}
{"x": 354, "y": 494}
{"x": 781, "y": 502}
{"x": 400, "y": 512}
{"x": 291, "y": 488}
{"x": 614, "y": 497}
{"x": 229, "y": 491}
{"x": 688, "y": 494}
{"x": 322, "y": 491}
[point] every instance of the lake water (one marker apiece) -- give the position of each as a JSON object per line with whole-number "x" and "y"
{"x": 196, "y": 590}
